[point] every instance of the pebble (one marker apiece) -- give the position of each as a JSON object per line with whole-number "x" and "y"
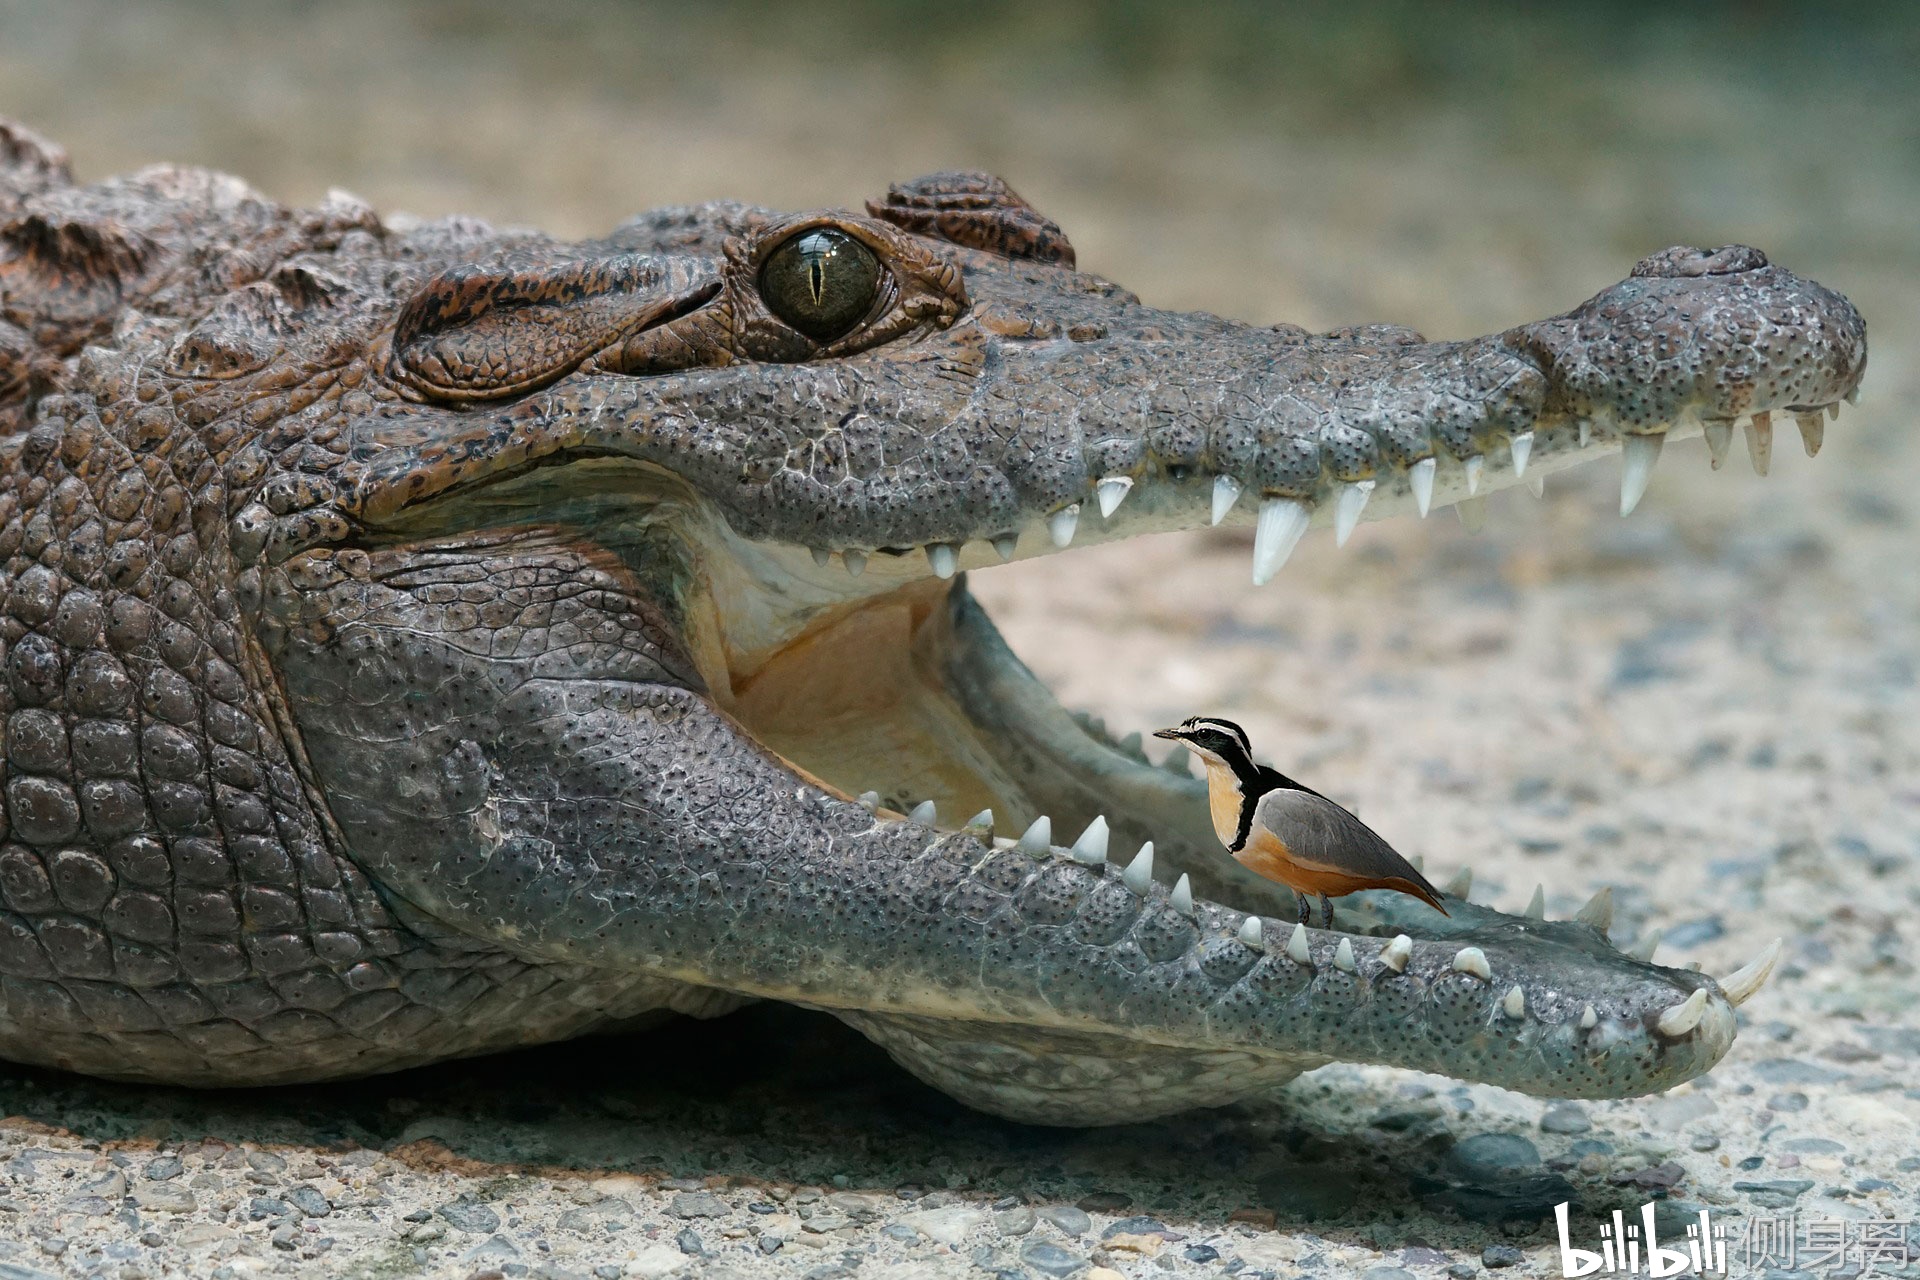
{"x": 1016, "y": 1221}
{"x": 1200, "y": 1253}
{"x": 1462, "y": 1271}
{"x": 1491, "y": 1157}
{"x": 1565, "y": 1117}
{"x": 698, "y": 1204}
{"x": 1073, "y": 1221}
{"x": 1386, "y": 1273}
{"x": 309, "y": 1201}
{"x": 1501, "y": 1255}
{"x": 1777, "y": 1193}
{"x": 464, "y": 1215}
{"x": 164, "y": 1169}
{"x": 1793, "y": 1101}
{"x": 652, "y": 1261}
{"x": 1050, "y": 1258}
{"x": 947, "y": 1226}
{"x": 161, "y": 1198}
{"x": 1106, "y": 1202}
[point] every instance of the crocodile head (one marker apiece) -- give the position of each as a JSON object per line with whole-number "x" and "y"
{"x": 612, "y": 598}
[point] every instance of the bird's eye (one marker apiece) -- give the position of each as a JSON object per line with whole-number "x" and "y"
{"x": 822, "y": 282}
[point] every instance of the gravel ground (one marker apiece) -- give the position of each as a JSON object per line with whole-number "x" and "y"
{"x": 1710, "y": 706}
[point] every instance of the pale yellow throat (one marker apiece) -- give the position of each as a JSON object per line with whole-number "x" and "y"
{"x": 1223, "y": 800}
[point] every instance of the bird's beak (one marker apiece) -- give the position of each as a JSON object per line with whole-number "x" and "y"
{"x": 1167, "y": 733}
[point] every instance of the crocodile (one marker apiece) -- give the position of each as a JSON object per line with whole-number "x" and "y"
{"x": 422, "y": 638}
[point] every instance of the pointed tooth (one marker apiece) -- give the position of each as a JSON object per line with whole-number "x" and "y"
{"x": 981, "y": 823}
{"x": 1091, "y": 847}
{"x": 1719, "y": 434}
{"x": 1250, "y": 934}
{"x": 1589, "y": 1019}
{"x": 1643, "y": 950}
{"x": 1297, "y": 946}
{"x": 1181, "y": 899}
{"x": 1343, "y": 956}
{"x": 1833, "y": 410}
{"x": 1599, "y": 910}
{"x": 923, "y": 814}
{"x": 1038, "y": 838}
{"x": 821, "y": 556}
{"x": 1472, "y": 513}
{"x": 1004, "y": 544}
{"x": 1537, "y": 904}
{"x": 1586, "y": 432}
{"x": 869, "y": 800}
{"x": 1395, "y": 954}
{"x": 1685, "y": 1016}
{"x": 855, "y": 561}
{"x": 1637, "y": 456}
{"x": 1461, "y": 885}
{"x": 1178, "y": 760}
{"x": 1347, "y": 509}
{"x": 1522, "y": 450}
{"x": 1514, "y": 1004}
{"x": 1420, "y": 479}
{"x": 1537, "y": 483}
{"x": 1226, "y": 492}
{"x": 1475, "y": 465}
{"x": 1062, "y": 523}
{"x": 943, "y": 558}
{"x": 1111, "y": 492}
{"x": 1282, "y": 521}
{"x": 1760, "y": 443}
{"x": 1812, "y": 431}
{"x": 1742, "y": 983}
{"x": 1474, "y": 961}
{"x": 1139, "y": 873}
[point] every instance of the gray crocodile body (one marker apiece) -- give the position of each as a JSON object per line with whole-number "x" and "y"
{"x": 424, "y": 640}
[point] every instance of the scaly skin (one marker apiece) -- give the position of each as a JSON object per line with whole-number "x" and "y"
{"x": 420, "y": 640}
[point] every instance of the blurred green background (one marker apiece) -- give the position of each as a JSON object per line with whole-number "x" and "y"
{"x": 1458, "y": 167}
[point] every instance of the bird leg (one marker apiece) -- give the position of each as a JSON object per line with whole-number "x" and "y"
{"x": 1326, "y": 910}
{"x": 1305, "y": 905}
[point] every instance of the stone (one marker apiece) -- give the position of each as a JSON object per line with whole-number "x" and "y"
{"x": 1106, "y": 1202}
{"x": 159, "y": 1197}
{"x": 1016, "y": 1221}
{"x": 1491, "y": 1156}
{"x": 651, "y": 1261}
{"x": 1777, "y": 1193}
{"x": 1565, "y": 1117}
{"x": 698, "y": 1204}
{"x": 164, "y": 1168}
{"x": 1051, "y": 1258}
{"x": 1071, "y": 1220}
{"x": 1386, "y": 1273}
{"x": 1501, "y": 1255}
{"x": 309, "y": 1201}
{"x": 948, "y": 1226}
{"x": 464, "y": 1215}
{"x": 1791, "y": 1101}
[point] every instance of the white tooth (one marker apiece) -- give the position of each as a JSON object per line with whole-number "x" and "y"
{"x": 943, "y": 559}
{"x": 1684, "y": 1016}
{"x": 1004, "y": 544}
{"x": 1461, "y": 885}
{"x": 1514, "y": 1004}
{"x": 1588, "y": 1019}
{"x": 1297, "y": 946}
{"x": 1139, "y": 873}
{"x": 1347, "y": 509}
{"x": 1719, "y": 434}
{"x": 1038, "y": 838}
{"x": 856, "y": 562}
{"x": 821, "y": 556}
{"x": 1061, "y": 524}
{"x": 923, "y": 813}
{"x": 1181, "y": 899}
{"x": 1343, "y": 956}
{"x": 981, "y": 823}
{"x": 1537, "y": 483}
{"x": 1475, "y": 465}
{"x": 870, "y": 800}
{"x": 1111, "y": 492}
{"x": 1281, "y": 522}
{"x": 1643, "y": 950}
{"x": 1250, "y": 933}
{"x": 1742, "y": 983}
{"x": 1812, "y": 431}
{"x": 1586, "y": 431}
{"x": 1474, "y": 961}
{"x": 1760, "y": 443}
{"x": 1833, "y": 410}
{"x": 1522, "y": 447}
{"x": 1472, "y": 513}
{"x": 1537, "y": 905}
{"x": 1091, "y": 847}
{"x": 1599, "y": 910}
{"x": 1178, "y": 761}
{"x": 1396, "y": 953}
{"x": 1420, "y": 477}
{"x": 1226, "y": 492}
{"x": 1637, "y": 456}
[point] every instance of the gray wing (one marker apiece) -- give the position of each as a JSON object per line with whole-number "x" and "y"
{"x": 1320, "y": 832}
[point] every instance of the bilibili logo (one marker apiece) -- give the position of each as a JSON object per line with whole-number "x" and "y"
{"x": 1630, "y": 1249}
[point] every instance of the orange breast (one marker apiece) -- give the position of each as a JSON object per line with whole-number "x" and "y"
{"x": 1267, "y": 855}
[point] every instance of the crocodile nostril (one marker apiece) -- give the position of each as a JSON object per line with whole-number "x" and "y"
{"x": 1684, "y": 260}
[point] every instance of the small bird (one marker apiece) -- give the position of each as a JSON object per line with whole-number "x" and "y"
{"x": 1290, "y": 833}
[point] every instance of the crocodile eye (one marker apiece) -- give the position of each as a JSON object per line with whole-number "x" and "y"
{"x": 822, "y": 282}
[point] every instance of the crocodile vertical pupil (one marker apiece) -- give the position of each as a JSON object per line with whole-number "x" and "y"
{"x": 822, "y": 282}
